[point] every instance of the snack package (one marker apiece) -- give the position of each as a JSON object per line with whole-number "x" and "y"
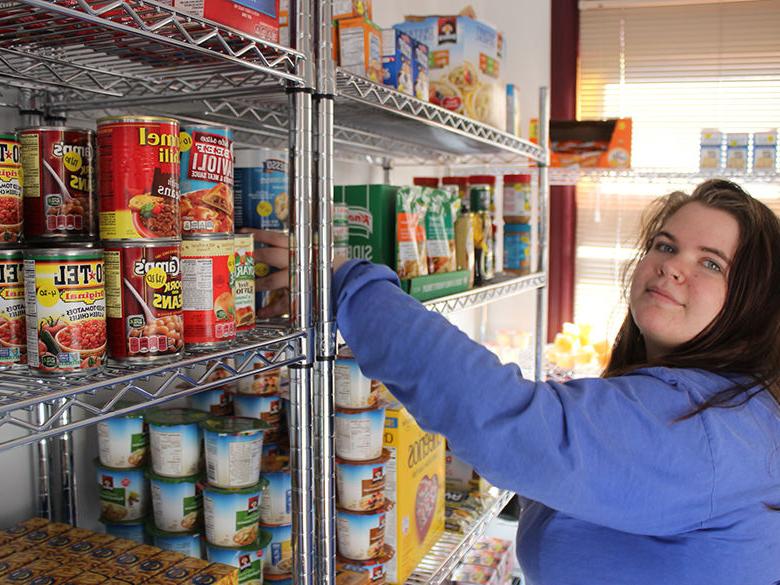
{"x": 440, "y": 217}
{"x": 360, "y": 48}
{"x": 397, "y": 55}
{"x": 411, "y": 254}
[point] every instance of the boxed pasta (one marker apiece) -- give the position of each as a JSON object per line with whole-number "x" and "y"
{"x": 397, "y": 65}
{"x": 465, "y": 65}
{"x": 359, "y": 48}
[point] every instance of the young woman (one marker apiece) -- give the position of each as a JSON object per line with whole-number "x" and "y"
{"x": 664, "y": 471}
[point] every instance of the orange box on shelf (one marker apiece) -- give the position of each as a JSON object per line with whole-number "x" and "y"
{"x": 358, "y": 47}
{"x": 604, "y": 144}
{"x": 259, "y": 18}
{"x": 352, "y": 9}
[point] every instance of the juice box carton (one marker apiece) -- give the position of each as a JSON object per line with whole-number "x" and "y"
{"x": 359, "y": 47}
{"x": 371, "y": 213}
{"x": 737, "y": 150}
{"x": 415, "y": 482}
{"x": 397, "y": 60}
{"x": 765, "y": 150}
{"x": 421, "y": 71}
{"x": 258, "y": 18}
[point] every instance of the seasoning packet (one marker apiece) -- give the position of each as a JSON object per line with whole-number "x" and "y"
{"x": 411, "y": 254}
{"x": 440, "y": 218}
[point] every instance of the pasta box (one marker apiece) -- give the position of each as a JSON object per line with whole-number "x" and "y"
{"x": 371, "y": 213}
{"x": 414, "y": 480}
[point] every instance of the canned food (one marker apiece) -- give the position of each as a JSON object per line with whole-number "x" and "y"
{"x": 65, "y": 302}
{"x": 208, "y": 282}
{"x": 248, "y": 559}
{"x": 174, "y": 436}
{"x": 267, "y": 408}
{"x": 234, "y": 449}
{"x": 359, "y": 434}
{"x": 276, "y": 503}
{"x": 206, "y": 180}
{"x": 138, "y": 162}
{"x": 245, "y": 281}
{"x": 176, "y": 502}
{"x": 10, "y": 189}
{"x": 360, "y": 485}
{"x": 361, "y": 535}
{"x": 122, "y": 441}
{"x": 123, "y": 493}
{"x": 278, "y": 553}
{"x": 144, "y": 304}
{"x": 232, "y": 516}
{"x": 59, "y": 184}
{"x": 377, "y": 573}
{"x": 13, "y": 344}
{"x": 216, "y": 402}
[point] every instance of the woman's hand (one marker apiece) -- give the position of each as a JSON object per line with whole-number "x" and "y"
{"x": 275, "y": 254}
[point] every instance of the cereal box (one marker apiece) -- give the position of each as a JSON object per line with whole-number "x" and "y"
{"x": 259, "y": 18}
{"x": 397, "y": 64}
{"x": 352, "y": 8}
{"x": 420, "y": 70}
{"x": 415, "y": 482}
{"x": 360, "y": 48}
{"x": 465, "y": 66}
{"x": 371, "y": 222}
{"x": 765, "y": 150}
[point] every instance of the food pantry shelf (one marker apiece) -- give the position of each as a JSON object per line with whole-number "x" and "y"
{"x": 449, "y": 550}
{"x": 567, "y": 176}
{"x": 86, "y": 400}
{"x": 130, "y": 52}
{"x": 503, "y": 286}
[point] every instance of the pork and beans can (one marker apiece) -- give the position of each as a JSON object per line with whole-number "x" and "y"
{"x": 245, "y": 281}
{"x": 144, "y": 300}
{"x": 58, "y": 184}
{"x": 10, "y": 189}
{"x": 65, "y": 301}
{"x": 208, "y": 282}
{"x": 138, "y": 165}
{"x": 206, "y": 180}
{"x": 13, "y": 347}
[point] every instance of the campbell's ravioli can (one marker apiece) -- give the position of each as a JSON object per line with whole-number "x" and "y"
{"x": 208, "y": 281}
{"x": 206, "y": 180}
{"x": 59, "y": 184}
{"x": 65, "y": 301}
{"x": 144, "y": 300}
{"x": 13, "y": 347}
{"x": 245, "y": 281}
{"x": 138, "y": 178}
{"x": 10, "y": 189}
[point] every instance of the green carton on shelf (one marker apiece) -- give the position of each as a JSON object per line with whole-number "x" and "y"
{"x": 371, "y": 220}
{"x": 433, "y": 286}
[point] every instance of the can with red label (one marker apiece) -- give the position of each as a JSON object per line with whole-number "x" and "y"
{"x": 144, "y": 300}
{"x": 59, "y": 184}
{"x": 10, "y": 189}
{"x": 206, "y": 180}
{"x": 138, "y": 164}
{"x": 13, "y": 347}
{"x": 245, "y": 282}
{"x": 208, "y": 282}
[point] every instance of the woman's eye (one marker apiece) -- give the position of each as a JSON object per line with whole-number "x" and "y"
{"x": 664, "y": 247}
{"x": 714, "y": 266}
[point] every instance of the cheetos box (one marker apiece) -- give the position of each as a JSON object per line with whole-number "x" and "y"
{"x": 414, "y": 480}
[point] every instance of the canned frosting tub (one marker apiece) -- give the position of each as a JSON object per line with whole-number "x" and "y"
{"x": 234, "y": 449}
{"x": 176, "y": 502}
{"x": 248, "y": 559}
{"x": 59, "y": 184}
{"x": 359, "y": 434}
{"x": 123, "y": 494}
{"x": 10, "y": 189}
{"x": 232, "y": 516}
{"x": 360, "y": 486}
{"x": 174, "y": 436}
{"x": 138, "y": 163}
{"x": 206, "y": 180}
{"x": 144, "y": 300}
{"x": 122, "y": 441}
{"x": 278, "y": 553}
{"x": 360, "y": 535}
{"x": 66, "y": 310}
{"x": 13, "y": 335}
{"x": 276, "y": 503}
{"x": 245, "y": 281}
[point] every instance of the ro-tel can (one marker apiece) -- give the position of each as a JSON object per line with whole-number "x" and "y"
{"x": 245, "y": 281}
{"x": 13, "y": 346}
{"x": 206, "y": 180}
{"x": 144, "y": 304}
{"x": 10, "y": 189}
{"x": 59, "y": 184}
{"x": 138, "y": 173}
{"x": 208, "y": 275}
{"x": 65, "y": 300}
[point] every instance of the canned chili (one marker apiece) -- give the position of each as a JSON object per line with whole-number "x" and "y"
{"x": 138, "y": 162}
{"x": 206, "y": 180}
{"x": 59, "y": 183}
{"x": 10, "y": 189}
{"x": 144, "y": 300}
{"x": 208, "y": 281}
{"x": 65, "y": 302}
{"x": 245, "y": 281}
{"x": 13, "y": 347}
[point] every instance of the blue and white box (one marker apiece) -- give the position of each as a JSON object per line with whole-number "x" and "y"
{"x": 397, "y": 54}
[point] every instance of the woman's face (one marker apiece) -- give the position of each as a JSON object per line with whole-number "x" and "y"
{"x": 679, "y": 286}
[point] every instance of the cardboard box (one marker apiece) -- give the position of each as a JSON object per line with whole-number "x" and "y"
{"x": 465, "y": 66}
{"x": 765, "y": 150}
{"x": 217, "y": 574}
{"x": 359, "y": 48}
{"x": 397, "y": 60}
{"x": 433, "y": 286}
{"x": 421, "y": 70}
{"x": 737, "y": 151}
{"x": 591, "y": 144}
{"x": 415, "y": 482}
{"x": 258, "y": 18}
{"x": 148, "y": 570}
{"x": 352, "y": 9}
{"x": 284, "y": 23}
{"x": 371, "y": 221}
{"x": 711, "y": 149}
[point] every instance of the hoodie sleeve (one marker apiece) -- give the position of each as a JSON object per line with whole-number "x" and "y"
{"x": 602, "y": 450}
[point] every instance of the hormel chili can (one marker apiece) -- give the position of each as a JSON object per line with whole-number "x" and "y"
{"x": 138, "y": 164}
{"x": 59, "y": 184}
{"x": 144, "y": 300}
{"x": 13, "y": 347}
{"x": 244, "y": 260}
{"x": 208, "y": 281}
{"x": 206, "y": 180}
{"x": 10, "y": 189}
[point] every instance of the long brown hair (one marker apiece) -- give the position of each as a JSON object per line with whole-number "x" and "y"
{"x": 744, "y": 338}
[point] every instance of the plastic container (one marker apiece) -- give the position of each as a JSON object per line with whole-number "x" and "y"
{"x": 517, "y": 198}
{"x": 353, "y": 389}
{"x": 232, "y": 516}
{"x": 361, "y": 535}
{"x": 215, "y": 402}
{"x": 188, "y": 543}
{"x": 130, "y": 530}
{"x": 234, "y": 450}
{"x": 278, "y": 553}
{"x": 249, "y": 560}
{"x": 276, "y": 503}
{"x": 482, "y": 190}
{"x": 278, "y": 579}
{"x": 432, "y": 182}
{"x": 176, "y": 502}
{"x": 122, "y": 442}
{"x": 267, "y": 382}
{"x": 360, "y": 486}
{"x": 174, "y": 436}
{"x": 375, "y": 568}
{"x": 517, "y": 248}
{"x": 267, "y": 408}
{"x": 123, "y": 493}
{"x": 359, "y": 433}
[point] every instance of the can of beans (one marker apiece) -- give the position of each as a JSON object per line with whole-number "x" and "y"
{"x": 208, "y": 283}
{"x": 144, "y": 300}
{"x": 245, "y": 282}
{"x": 10, "y": 189}
{"x": 59, "y": 184}
{"x": 13, "y": 347}
{"x": 65, "y": 301}
{"x": 206, "y": 180}
{"x": 138, "y": 164}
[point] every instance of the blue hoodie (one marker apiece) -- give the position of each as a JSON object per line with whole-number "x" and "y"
{"x": 622, "y": 495}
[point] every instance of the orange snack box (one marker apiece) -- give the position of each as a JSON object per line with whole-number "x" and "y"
{"x": 358, "y": 48}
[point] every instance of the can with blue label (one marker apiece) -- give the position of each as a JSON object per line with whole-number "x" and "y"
{"x": 262, "y": 191}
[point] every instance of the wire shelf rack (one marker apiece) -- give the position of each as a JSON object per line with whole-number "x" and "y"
{"x": 501, "y": 287}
